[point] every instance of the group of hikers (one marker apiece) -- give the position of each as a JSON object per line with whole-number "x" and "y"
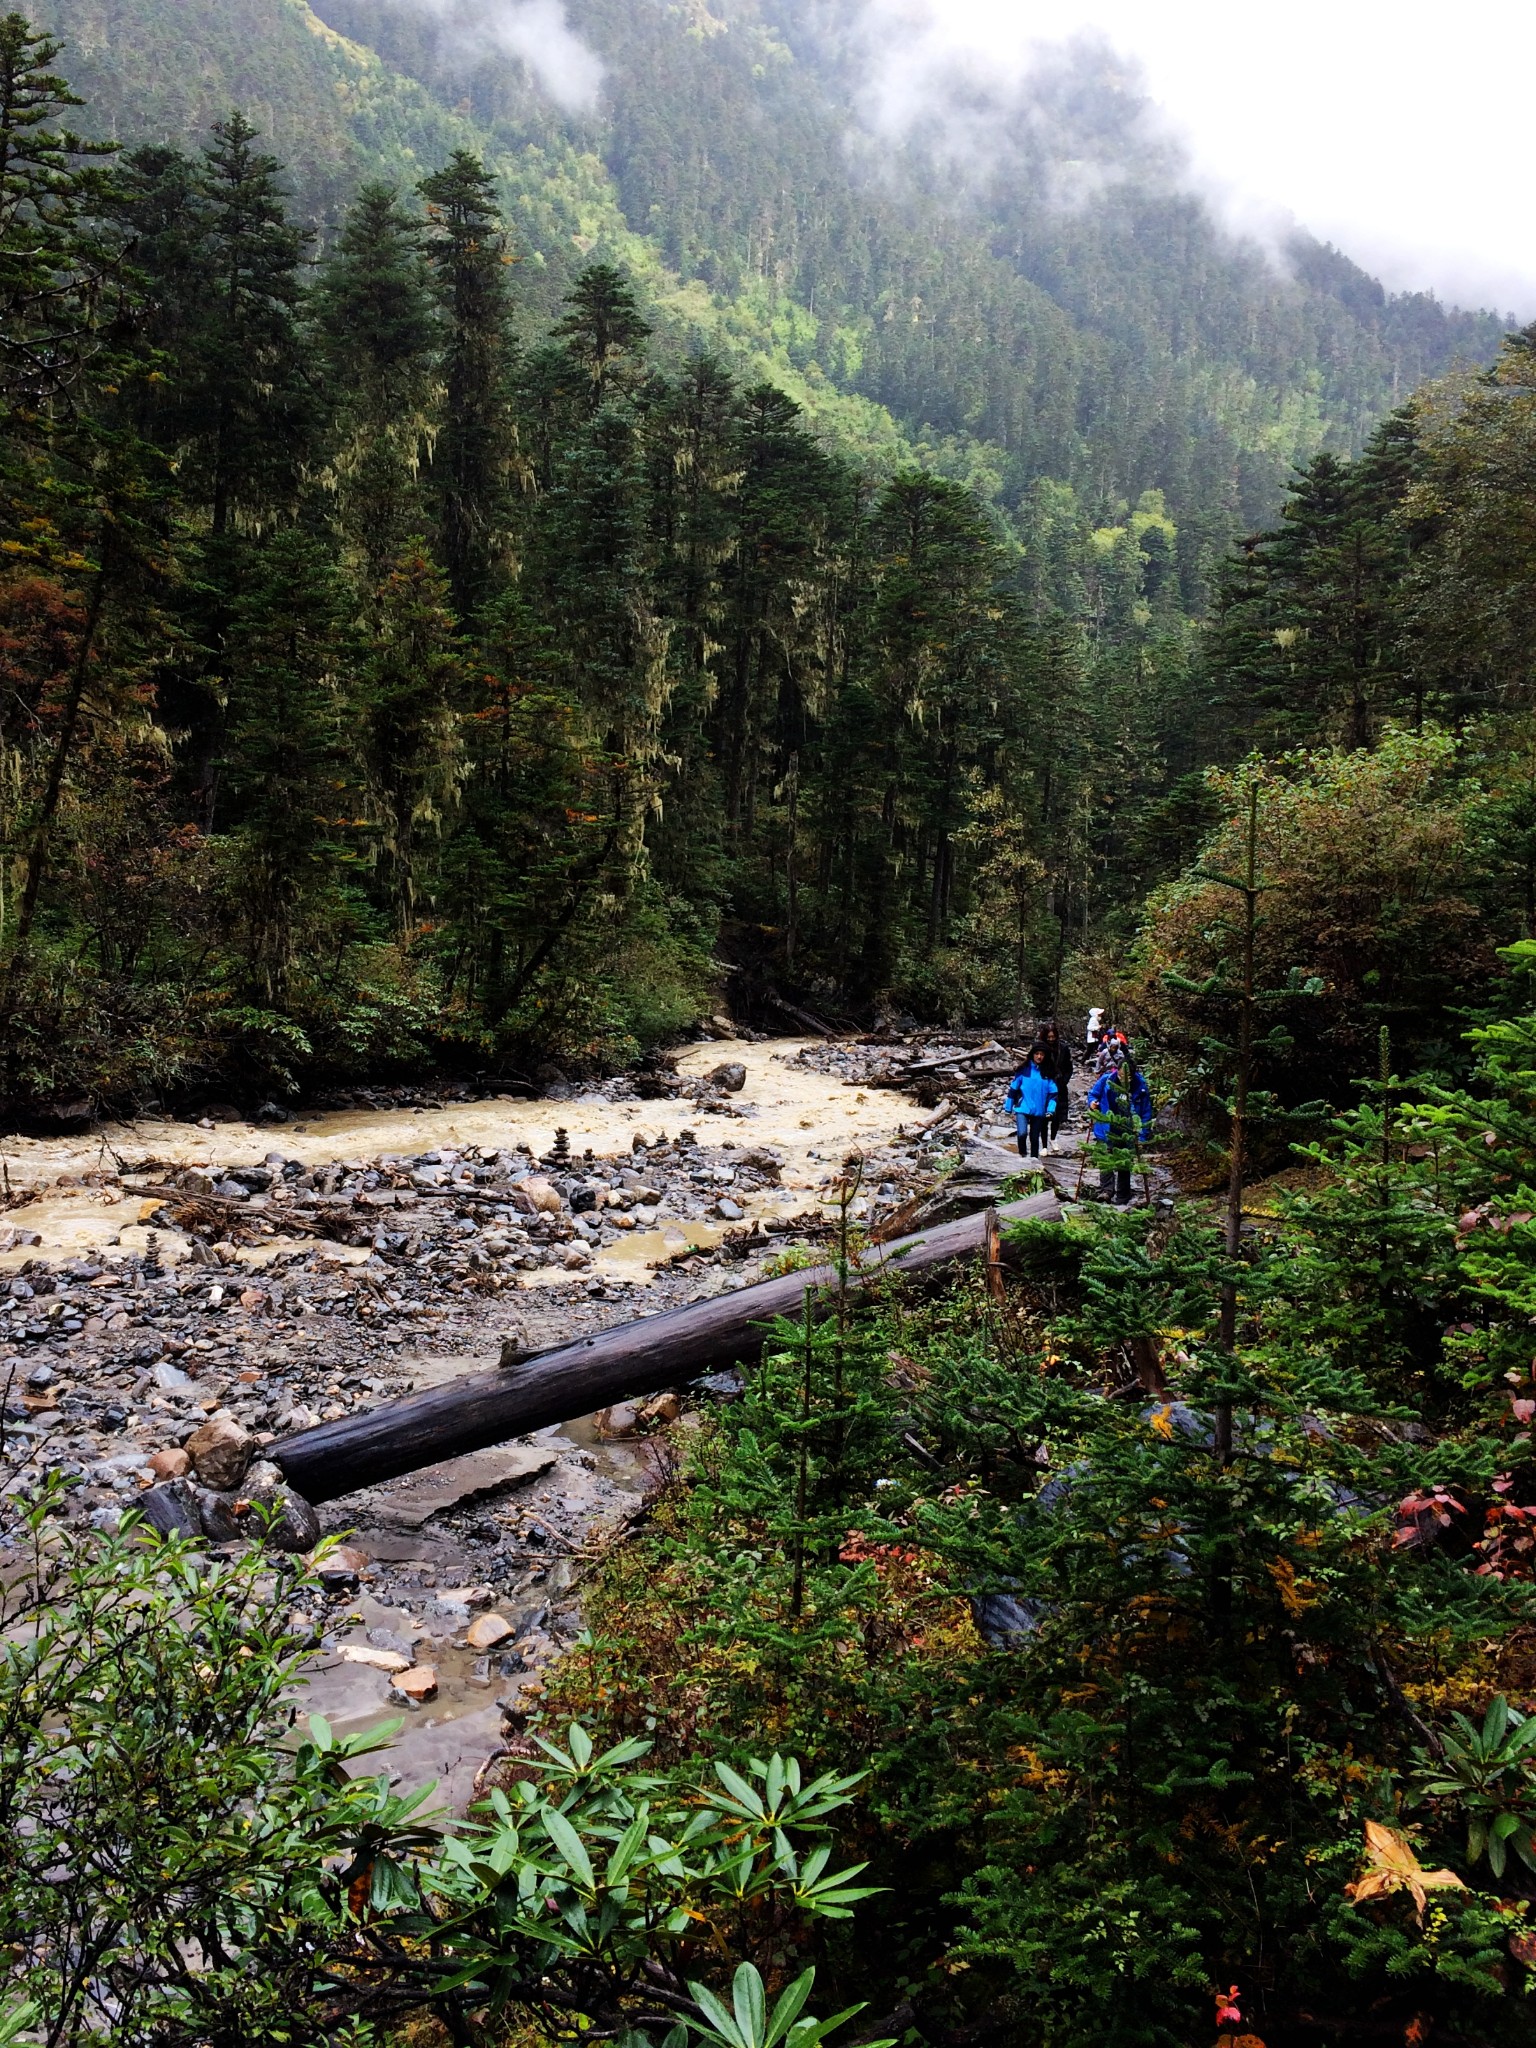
{"x": 1119, "y": 1099}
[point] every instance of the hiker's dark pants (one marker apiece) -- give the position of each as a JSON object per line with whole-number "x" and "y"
{"x": 1115, "y": 1181}
{"x": 1059, "y": 1113}
{"x": 1032, "y": 1136}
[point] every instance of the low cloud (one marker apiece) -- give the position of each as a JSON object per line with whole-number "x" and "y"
{"x": 537, "y": 32}
{"x": 1407, "y": 153}
{"x": 1075, "y": 114}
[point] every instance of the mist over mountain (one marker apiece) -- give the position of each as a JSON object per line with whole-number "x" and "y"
{"x": 1008, "y": 277}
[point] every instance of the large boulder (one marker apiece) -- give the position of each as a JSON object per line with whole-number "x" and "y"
{"x": 171, "y": 1508}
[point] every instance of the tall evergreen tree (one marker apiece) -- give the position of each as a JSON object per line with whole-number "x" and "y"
{"x": 1309, "y": 638}
{"x": 467, "y": 251}
{"x": 285, "y": 669}
{"x": 408, "y": 715}
{"x": 375, "y": 319}
{"x": 57, "y": 269}
{"x": 604, "y": 332}
{"x": 251, "y": 400}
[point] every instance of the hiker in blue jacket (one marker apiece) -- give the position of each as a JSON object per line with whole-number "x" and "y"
{"x": 1030, "y": 1099}
{"x": 1121, "y": 1103}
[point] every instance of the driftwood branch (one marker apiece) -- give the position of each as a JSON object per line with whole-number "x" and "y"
{"x": 667, "y": 1350}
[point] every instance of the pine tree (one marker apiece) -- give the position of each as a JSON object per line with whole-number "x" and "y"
{"x": 1309, "y": 643}
{"x": 282, "y": 767}
{"x": 58, "y": 271}
{"x": 408, "y": 712}
{"x": 160, "y": 209}
{"x": 81, "y": 500}
{"x": 604, "y": 332}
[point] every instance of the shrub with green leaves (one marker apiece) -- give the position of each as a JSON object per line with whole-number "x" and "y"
{"x": 183, "y": 1861}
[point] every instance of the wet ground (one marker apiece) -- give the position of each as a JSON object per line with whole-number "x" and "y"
{"x": 159, "y": 1276}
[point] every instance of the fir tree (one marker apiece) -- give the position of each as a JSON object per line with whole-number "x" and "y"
{"x": 466, "y": 251}
{"x": 281, "y": 763}
{"x": 604, "y": 332}
{"x": 58, "y": 272}
{"x": 375, "y": 318}
{"x": 408, "y": 713}
{"x": 250, "y": 408}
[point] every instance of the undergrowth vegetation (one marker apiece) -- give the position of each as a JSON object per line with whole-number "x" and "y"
{"x": 1145, "y": 1720}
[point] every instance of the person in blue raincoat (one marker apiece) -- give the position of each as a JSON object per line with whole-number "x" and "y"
{"x": 1121, "y": 1105}
{"x": 1030, "y": 1100}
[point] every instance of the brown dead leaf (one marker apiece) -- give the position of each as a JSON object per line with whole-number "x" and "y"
{"x": 1391, "y": 1866}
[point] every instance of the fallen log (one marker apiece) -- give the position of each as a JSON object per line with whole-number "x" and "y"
{"x": 666, "y": 1350}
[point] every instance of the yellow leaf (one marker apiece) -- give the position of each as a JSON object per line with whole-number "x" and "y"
{"x": 1391, "y": 1866}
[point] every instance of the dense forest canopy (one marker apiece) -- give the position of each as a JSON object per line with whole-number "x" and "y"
{"x": 488, "y": 581}
{"x": 498, "y": 644}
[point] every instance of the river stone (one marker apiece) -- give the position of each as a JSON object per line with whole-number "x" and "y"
{"x": 216, "y": 1514}
{"x": 289, "y": 1522}
{"x": 408, "y": 1503}
{"x": 220, "y": 1452}
{"x": 171, "y": 1508}
{"x": 418, "y": 1684}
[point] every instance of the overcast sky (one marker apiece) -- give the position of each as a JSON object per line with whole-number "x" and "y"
{"x": 1399, "y": 133}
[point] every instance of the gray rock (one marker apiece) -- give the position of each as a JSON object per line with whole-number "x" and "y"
{"x": 408, "y": 1503}
{"x": 732, "y": 1211}
{"x": 216, "y": 1515}
{"x": 171, "y": 1508}
{"x": 287, "y": 1520}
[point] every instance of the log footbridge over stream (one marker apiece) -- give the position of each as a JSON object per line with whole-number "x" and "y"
{"x": 672, "y": 1349}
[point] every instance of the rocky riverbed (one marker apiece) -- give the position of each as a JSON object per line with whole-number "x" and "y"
{"x": 176, "y": 1298}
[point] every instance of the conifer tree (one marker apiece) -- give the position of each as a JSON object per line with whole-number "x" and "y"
{"x": 159, "y": 208}
{"x": 281, "y": 765}
{"x": 250, "y": 399}
{"x": 467, "y": 253}
{"x": 376, "y": 323}
{"x": 408, "y": 712}
{"x": 604, "y": 332}
{"x": 58, "y": 271}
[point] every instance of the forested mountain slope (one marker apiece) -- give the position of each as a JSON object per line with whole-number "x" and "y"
{"x": 639, "y": 556}
{"x": 973, "y": 307}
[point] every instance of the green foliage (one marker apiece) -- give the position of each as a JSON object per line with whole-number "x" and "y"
{"x": 153, "y": 1807}
{"x": 1198, "y": 1677}
{"x": 1488, "y": 1774}
{"x": 178, "y": 1865}
{"x": 1367, "y": 916}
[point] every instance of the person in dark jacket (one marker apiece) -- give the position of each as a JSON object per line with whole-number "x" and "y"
{"x": 1121, "y": 1103}
{"x": 1030, "y": 1099}
{"x": 1057, "y": 1062}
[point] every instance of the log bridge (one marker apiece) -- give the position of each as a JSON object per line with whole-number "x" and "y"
{"x": 668, "y": 1350}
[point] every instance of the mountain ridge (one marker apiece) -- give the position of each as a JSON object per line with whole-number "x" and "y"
{"x": 1123, "y": 345}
